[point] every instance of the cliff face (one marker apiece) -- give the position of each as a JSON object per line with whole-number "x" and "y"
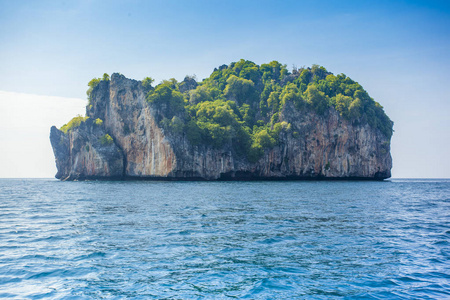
{"x": 323, "y": 146}
{"x": 127, "y": 117}
{"x": 82, "y": 155}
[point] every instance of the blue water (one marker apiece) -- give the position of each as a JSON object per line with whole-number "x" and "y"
{"x": 221, "y": 240}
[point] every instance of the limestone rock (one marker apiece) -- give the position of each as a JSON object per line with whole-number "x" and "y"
{"x": 322, "y": 147}
{"x": 81, "y": 154}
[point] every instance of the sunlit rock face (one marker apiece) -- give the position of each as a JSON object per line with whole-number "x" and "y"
{"x": 323, "y": 146}
{"x": 81, "y": 155}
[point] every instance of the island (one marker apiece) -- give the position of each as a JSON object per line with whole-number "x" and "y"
{"x": 244, "y": 122}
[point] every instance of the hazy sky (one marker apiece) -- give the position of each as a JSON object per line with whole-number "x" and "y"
{"x": 399, "y": 51}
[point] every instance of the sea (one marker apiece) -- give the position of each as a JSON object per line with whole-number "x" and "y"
{"x": 225, "y": 240}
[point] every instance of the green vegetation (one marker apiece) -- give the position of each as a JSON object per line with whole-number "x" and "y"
{"x": 75, "y": 122}
{"x": 93, "y": 83}
{"x": 105, "y": 77}
{"x": 240, "y": 105}
{"x": 167, "y": 98}
{"x": 147, "y": 83}
{"x": 106, "y": 140}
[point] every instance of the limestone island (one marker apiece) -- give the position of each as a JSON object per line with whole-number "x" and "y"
{"x": 243, "y": 122}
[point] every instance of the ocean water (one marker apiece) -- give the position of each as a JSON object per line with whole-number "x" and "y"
{"x": 224, "y": 240}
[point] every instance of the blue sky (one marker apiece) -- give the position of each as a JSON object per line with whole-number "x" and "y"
{"x": 397, "y": 50}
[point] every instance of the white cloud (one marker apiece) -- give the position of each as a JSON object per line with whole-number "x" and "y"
{"x": 25, "y": 150}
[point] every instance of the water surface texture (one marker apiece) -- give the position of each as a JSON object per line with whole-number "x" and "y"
{"x": 222, "y": 240}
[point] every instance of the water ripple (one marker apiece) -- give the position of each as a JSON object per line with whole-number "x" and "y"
{"x": 224, "y": 240}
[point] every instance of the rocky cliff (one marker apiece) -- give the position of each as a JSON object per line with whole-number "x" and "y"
{"x": 123, "y": 138}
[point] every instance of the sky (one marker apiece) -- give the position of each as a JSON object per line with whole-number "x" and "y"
{"x": 399, "y": 51}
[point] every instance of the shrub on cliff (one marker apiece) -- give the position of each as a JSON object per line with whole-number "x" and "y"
{"x": 147, "y": 84}
{"x": 105, "y": 77}
{"x": 316, "y": 99}
{"x": 93, "y": 83}
{"x": 106, "y": 140}
{"x": 98, "y": 122}
{"x": 167, "y": 98}
{"x": 240, "y": 90}
{"x": 75, "y": 122}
